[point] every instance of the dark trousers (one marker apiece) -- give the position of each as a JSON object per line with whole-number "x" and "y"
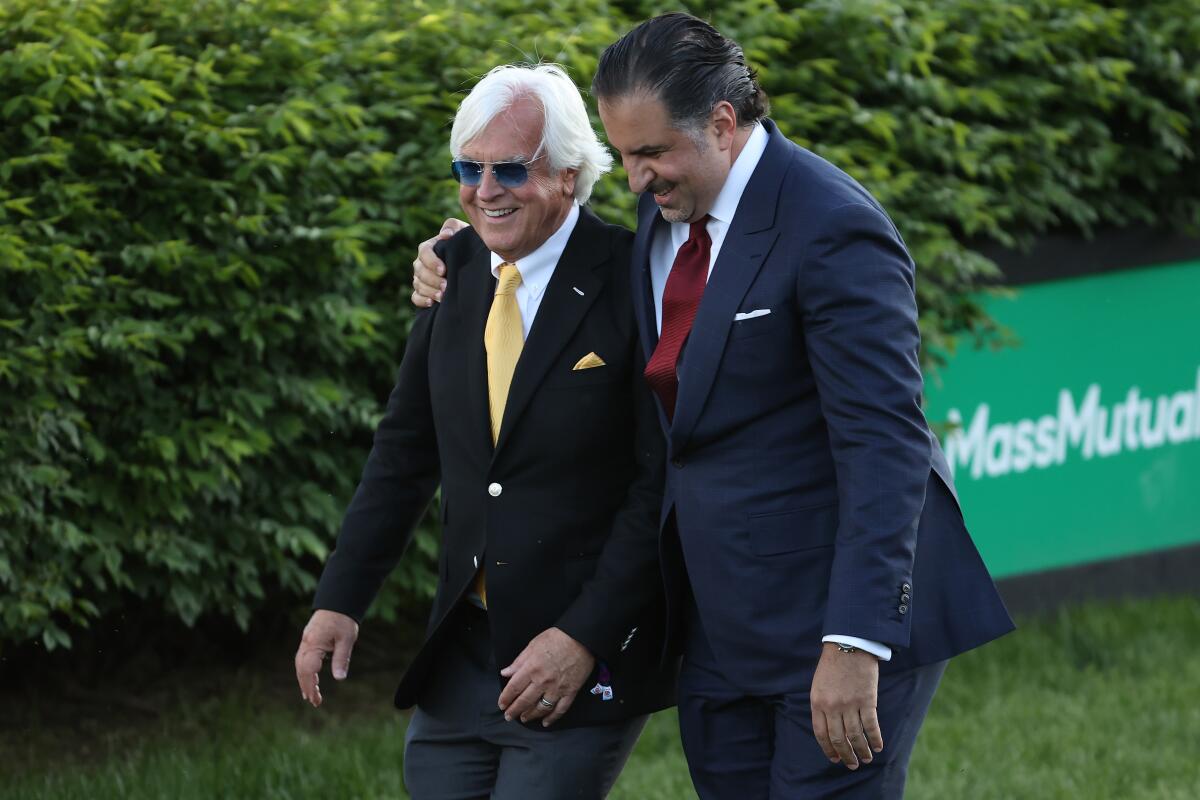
{"x": 458, "y": 746}
{"x": 745, "y": 747}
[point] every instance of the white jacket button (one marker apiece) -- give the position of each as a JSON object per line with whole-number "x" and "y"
{"x": 495, "y": 489}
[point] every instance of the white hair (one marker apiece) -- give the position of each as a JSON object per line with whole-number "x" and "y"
{"x": 568, "y": 138}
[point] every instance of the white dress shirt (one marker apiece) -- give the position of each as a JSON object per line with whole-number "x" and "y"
{"x": 666, "y": 244}
{"x": 537, "y": 268}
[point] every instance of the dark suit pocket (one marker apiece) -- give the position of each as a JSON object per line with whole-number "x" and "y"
{"x": 756, "y": 326}
{"x": 790, "y": 531}
{"x": 585, "y": 377}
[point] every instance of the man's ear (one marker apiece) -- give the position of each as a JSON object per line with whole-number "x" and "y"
{"x": 568, "y": 181}
{"x": 723, "y": 122}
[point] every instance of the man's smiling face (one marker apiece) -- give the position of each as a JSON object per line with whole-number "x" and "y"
{"x": 684, "y": 170}
{"x": 513, "y": 222}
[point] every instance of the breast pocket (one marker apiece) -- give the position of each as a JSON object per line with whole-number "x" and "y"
{"x": 569, "y": 378}
{"x": 756, "y": 326}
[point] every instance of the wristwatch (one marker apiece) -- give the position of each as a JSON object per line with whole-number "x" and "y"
{"x": 845, "y": 648}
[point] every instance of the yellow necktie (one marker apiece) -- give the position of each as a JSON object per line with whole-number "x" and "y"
{"x": 503, "y": 339}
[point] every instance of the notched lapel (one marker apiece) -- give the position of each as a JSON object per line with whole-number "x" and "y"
{"x": 476, "y": 288}
{"x": 561, "y": 311}
{"x": 643, "y": 289}
{"x": 649, "y": 221}
{"x": 732, "y": 275}
{"x": 751, "y": 236}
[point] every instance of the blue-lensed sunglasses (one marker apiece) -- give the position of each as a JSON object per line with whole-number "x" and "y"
{"x": 509, "y": 174}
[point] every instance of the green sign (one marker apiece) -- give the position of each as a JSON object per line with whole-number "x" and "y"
{"x": 1083, "y": 443}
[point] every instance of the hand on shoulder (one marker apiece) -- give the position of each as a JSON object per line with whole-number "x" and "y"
{"x": 429, "y": 271}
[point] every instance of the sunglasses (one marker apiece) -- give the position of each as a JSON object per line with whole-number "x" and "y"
{"x": 509, "y": 174}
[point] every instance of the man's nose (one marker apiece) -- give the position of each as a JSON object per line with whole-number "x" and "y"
{"x": 489, "y": 187}
{"x": 636, "y": 173}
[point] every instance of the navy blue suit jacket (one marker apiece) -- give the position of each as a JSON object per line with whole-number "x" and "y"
{"x": 805, "y": 493}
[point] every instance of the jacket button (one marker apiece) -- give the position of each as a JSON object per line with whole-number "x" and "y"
{"x": 904, "y": 598}
{"x": 903, "y": 609}
{"x": 677, "y": 463}
{"x": 495, "y": 489}
{"x": 906, "y": 588}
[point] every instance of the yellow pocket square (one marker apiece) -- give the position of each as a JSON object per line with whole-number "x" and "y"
{"x": 589, "y": 361}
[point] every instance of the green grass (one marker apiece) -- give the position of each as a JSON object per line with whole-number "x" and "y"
{"x": 1097, "y": 702}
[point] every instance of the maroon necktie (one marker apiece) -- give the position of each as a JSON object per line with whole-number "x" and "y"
{"x": 681, "y": 298}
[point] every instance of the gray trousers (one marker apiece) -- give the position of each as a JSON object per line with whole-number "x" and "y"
{"x": 458, "y": 746}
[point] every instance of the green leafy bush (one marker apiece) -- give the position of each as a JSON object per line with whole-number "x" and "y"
{"x": 208, "y": 210}
{"x": 977, "y": 120}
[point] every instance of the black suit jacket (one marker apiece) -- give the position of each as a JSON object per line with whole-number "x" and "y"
{"x": 563, "y": 510}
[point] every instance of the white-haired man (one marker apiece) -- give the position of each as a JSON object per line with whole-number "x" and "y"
{"x": 521, "y": 394}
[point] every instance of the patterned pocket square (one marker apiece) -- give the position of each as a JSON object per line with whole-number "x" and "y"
{"x": 589, "y": 361}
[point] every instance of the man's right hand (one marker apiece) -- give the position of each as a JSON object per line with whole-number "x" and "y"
{"x": 326, "y": 632}
{"x": 429, "y": 273}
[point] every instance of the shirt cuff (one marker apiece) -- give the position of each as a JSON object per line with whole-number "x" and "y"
{"x": 880, "y": 651}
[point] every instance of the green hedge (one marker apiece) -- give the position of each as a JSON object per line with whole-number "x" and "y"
{"x": 208, "y": 210}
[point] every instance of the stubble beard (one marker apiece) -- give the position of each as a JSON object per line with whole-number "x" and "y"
{"x": 675, "y": 214}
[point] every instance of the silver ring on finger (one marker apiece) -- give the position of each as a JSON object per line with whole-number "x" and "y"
{"x": 544, "y": 703}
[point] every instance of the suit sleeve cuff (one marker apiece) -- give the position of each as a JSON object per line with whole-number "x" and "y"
{"x": 880, "y": 651}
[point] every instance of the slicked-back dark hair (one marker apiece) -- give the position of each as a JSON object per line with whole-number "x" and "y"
{"x": 687, "y": 64}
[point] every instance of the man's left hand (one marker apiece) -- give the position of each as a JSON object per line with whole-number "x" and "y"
{"x": 844, "y": 695}
{"x": 553, "y": 666}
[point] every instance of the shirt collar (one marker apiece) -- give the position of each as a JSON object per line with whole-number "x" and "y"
{"x": 537, "y": 267}
{"x": 726, "y": 204}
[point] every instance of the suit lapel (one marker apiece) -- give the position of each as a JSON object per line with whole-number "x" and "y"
{"x": 643, "y": 289}
{"x": 650, "y": 223}
{"x": 751, "y": 236}
{"x": 477, "y": 287}
{"x": 573, "y": 288}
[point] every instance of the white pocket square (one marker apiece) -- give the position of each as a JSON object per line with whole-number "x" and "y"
{"x": 761, "y": 312}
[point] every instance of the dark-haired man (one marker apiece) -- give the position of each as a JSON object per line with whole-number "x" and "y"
{"x": 818, "y": 571}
